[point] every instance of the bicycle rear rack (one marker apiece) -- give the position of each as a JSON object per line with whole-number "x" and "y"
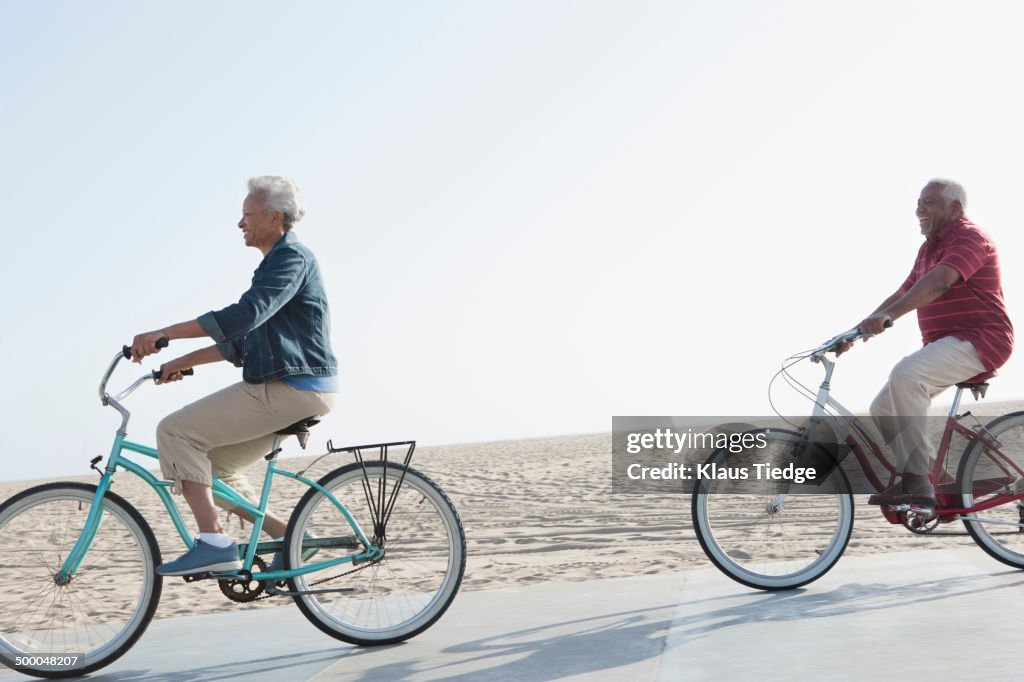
{"x": 379, "y": 499}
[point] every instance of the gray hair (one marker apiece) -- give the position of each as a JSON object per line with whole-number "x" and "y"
{"x": 279, "y": 194}
{"x": 951, "y": 190}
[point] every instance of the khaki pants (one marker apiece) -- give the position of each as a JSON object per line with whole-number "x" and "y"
{"x": 899, "y": 409}
{"x": 229, "y": 430}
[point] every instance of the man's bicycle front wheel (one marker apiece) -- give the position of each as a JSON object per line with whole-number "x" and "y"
{"x": 394, "y": 597}
{"x": 51, "y": 627}
{"x": 768, "y": 534}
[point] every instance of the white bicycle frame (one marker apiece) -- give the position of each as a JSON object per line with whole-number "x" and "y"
{"x": 827, "y": 408}
{"x": 841, "y": 420}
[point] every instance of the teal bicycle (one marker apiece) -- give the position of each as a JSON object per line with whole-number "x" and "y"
{"x": 79, "y": 560}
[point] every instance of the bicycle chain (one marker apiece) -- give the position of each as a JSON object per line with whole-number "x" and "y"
{"x": 314, "y": 584}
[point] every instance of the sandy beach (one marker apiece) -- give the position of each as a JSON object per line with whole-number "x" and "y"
{"x": 534, "y": 511}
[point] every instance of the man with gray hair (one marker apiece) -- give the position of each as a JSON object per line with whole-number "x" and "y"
{"x": 279, "y": 334}
{"x": 955, "y": 288}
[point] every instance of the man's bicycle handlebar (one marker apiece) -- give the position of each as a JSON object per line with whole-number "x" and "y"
{"x": 849, "y": 336}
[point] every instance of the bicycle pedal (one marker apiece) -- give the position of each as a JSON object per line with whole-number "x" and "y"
{"x": 909, "y": 507}
{"x": 211, "y": 576}
{"x": 197, "y": 576}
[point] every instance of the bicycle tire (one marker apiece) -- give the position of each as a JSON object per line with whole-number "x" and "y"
{"x": 981, "y": 475}
{"x": 402, "y": 594}
{"x": 106, "y": 606}
{"x": 749, "y": 542}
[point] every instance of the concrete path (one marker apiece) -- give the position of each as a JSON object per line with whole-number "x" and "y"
{"x": 940, "y": 615}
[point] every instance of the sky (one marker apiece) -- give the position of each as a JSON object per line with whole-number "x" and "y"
{"x": 531, "y": 216}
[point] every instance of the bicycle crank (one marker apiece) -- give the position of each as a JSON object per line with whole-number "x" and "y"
{"x": 919, "y": 522}
{"x": 245, "y": 589}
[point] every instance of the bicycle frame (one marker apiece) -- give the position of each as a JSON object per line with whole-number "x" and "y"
{"x": 220, "y": 490}
{"x": 850, "y": 430}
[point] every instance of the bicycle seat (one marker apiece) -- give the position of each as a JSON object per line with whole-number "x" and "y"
{"x": 977, "y": 385}
{"x": 300, "y": 430}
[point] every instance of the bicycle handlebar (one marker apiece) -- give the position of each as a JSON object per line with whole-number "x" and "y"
{"x": 848, "y": 336}
{"x": 162, "y": 342}
{"x": 126, "y": 354}
{"x": 185, "y": 372}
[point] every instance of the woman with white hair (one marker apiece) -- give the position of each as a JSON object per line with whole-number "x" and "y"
{"x": 279, "y": 334}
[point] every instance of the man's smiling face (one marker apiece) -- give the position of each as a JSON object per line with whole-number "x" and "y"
{"x": 934, "y": 211}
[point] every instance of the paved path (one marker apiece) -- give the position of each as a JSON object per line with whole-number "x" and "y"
{"x": 940, "y": 615}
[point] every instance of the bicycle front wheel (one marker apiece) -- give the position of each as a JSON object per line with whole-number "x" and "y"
{"x": 64, "y": 630}
{"x": 769, "y": 534}
{"x": 399, "y": 595}
{"x": 987, "y": 474}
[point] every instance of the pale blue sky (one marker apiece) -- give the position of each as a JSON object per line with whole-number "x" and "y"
{"x": 531, "y": 215}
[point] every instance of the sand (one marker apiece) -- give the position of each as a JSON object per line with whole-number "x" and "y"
{"x": 534, "y": 511}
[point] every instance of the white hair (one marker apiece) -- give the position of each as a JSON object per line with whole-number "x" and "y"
{"x": 279, "y": 194}
{"x": 951, "y": 190}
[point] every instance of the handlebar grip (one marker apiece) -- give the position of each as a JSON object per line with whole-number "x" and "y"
{"x": 162, "y": 342}
{"x": 188, "y": 372}
{"x": 888, "y": 323}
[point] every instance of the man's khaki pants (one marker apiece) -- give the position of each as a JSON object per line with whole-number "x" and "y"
{"x": 227, "y": 431}
{"x": 901, "y": 407}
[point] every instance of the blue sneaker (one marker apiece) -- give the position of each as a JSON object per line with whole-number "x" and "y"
{"x": 203, "y": 558}
{"x": 278, "y": 563}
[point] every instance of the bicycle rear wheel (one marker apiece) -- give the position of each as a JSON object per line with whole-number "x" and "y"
{"x": 398, "y": 596}
{"x": 768, "y": 534}
{"x": 106, "y": 606}
{"x": 984, "y": 475}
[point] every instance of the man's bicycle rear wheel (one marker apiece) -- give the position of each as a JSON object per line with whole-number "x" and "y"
{"x": 768, "y": 534}
{"x": 985, "y": 474}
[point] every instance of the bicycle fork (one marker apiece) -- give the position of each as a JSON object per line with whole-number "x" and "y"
{"x": 69, "y": 567}
{"x": 807, "y": 440}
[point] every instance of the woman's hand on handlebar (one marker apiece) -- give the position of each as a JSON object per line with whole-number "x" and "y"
{"x": 146, "y": 344}
{"x": 173, "y": 370}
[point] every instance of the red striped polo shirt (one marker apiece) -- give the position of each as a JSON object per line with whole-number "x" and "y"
{"x": 973, "y": 309}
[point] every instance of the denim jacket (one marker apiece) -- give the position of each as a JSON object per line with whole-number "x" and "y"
{"x": 281, "y": 326}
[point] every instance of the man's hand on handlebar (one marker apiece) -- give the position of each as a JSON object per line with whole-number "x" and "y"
{"x": 146, "y": 344}
{"x": 875, "y": 324}
{"x": 869, "y": 326}
{"x": 173, "y": 371}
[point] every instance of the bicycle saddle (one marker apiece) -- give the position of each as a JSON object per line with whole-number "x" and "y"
{"x": 978, "y": 385}
{"x": 300, "y": 430}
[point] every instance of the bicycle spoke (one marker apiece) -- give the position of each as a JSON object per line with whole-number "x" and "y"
{"x": 108, "y": 600}
{"x": 752, "y": 534}
{"x": 993, "y": 476}
{"x": 410, "y": 586}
